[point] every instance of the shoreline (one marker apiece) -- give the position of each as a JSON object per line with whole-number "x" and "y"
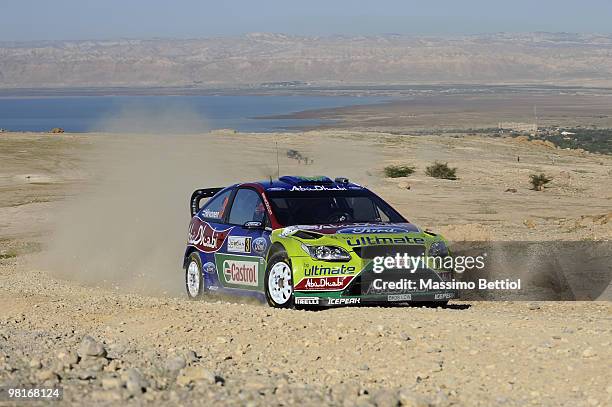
{"x": 315, "y": 90}
{"x": 394, "y": 109}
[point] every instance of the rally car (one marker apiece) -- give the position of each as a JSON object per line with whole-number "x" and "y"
{"x": 308, "y": 241}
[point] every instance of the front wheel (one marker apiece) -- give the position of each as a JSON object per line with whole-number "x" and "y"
{"x": 194, "y": 280}
{"x": 279, "y": 281}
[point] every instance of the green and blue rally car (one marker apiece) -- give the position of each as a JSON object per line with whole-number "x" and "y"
{"x": 307, "y": 242}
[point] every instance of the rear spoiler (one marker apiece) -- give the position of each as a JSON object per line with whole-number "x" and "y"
{"x": 200, "y": 194}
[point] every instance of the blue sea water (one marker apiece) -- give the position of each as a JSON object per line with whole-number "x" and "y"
{"x": 179, "y": 114}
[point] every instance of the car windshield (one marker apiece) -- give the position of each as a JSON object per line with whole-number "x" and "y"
{"x": 325, "y": 207}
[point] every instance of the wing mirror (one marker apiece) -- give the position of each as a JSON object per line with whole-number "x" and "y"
{"x": 253, "y": 225}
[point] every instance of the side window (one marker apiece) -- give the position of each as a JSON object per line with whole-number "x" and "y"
{"x": 247, "y": 207}
{"x": 383, "y": 216}
{"x": 216, "y": 207}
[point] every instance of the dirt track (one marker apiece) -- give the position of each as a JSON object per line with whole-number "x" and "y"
{"x": 159, "y": 347}
{"x": 480, "y": 353}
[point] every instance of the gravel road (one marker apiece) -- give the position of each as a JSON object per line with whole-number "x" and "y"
{"x": 107, "y": 346}
{"x": 106, "y": 342}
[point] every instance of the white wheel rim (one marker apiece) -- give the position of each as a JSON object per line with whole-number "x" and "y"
{"x": 193, "y": 279}
{"x": 280, "y": 286}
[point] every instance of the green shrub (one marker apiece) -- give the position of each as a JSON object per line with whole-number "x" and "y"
{"x": 441, "y": 170}
{"x": 7, "y": 254}
{"x": 539, "y": 181}
{"x": 396, "y": 171}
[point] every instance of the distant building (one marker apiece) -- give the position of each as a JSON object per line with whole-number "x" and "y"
{"x": 519, "y": 127}
{"x": 287, "y": 84}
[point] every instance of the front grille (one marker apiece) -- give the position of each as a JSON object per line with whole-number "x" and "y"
{"x": 369, "y": 252}
{"x": 363, "y": 283}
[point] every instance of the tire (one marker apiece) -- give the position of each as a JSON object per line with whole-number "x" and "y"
{"x": 194, "y": 278}
{"x": 278, "y": 281}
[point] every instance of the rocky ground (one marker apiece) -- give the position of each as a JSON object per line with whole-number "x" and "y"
{"x": 109, "y": 339}
{"x": 106, "y": 346}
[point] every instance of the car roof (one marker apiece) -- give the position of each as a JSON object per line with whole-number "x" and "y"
{"x": 300, "y": 183}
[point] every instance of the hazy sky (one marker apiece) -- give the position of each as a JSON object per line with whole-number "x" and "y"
{"x": 99, "y": 19}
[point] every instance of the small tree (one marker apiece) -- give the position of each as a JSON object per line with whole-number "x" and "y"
{"x": 396, "y": 171}
{"x": 441, "y": 170}
{"x": 296, "y": 155}
{"x": 539, "y": 181}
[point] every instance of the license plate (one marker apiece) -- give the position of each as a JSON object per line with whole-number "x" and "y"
{"x": 399, "y": 297}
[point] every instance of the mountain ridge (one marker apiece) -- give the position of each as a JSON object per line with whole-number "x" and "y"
{"x": 255, "y": 58}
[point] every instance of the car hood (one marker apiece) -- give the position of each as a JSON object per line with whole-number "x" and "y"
{"x": 355, "y": 229}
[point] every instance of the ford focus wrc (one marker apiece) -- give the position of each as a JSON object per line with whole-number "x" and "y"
{"x": 307, "y": 241}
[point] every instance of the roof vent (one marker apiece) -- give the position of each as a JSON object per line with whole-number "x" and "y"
{"x": 342, "y": 180}
{"x": 297, "y": 180}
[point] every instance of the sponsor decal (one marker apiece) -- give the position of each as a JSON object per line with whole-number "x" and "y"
{"x": 267, "y": 204}
{"x": 318, "y": 270}
{"x": 213, "y": 287}
{"x": 241, "y": 272}
{"x": 288, "y": 231}
{"x": 204, "y": 237}
{"x": 445, "y": 275}
{"x": 399, "y": 297}
{"x": 307, "y": 300}
{"x": 315, "y": 227}
{"x": 356, "y": 228}
{"x": 313, "y": 178}
{"x": 260, "y": 245}
{"x": 207, "y": 213}
{"x": 444, "y": 296}
{"x": 380, "y": 240}
{"x": 302, "y": 188}
{"x": 209, "y": 267}
{"x": 239, "y": 244}
{"x": 343, "y": 301}
{"x": 362, "y": 230}
{"x": 323, "y": 283}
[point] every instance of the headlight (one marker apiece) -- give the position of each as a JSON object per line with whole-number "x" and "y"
{"x": 329, "y": 253}
{"x": 438, "y": 249}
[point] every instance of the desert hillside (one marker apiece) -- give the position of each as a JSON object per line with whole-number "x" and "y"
{"x": 561, "y": 59}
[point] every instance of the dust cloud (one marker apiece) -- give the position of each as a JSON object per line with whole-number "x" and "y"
{"x": 127, "y": 227}
{"x": 167, "y": 116}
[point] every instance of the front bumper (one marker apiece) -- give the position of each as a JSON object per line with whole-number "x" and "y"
{"x": 333, "y": 300}
{"x": 387, "y": 288}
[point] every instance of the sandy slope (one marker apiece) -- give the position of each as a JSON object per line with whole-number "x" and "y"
{"x": 91, "y": 280}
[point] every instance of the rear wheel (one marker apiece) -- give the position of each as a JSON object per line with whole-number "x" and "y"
{"x": 279, "y": 281}
{"x": 194, "y": 280}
